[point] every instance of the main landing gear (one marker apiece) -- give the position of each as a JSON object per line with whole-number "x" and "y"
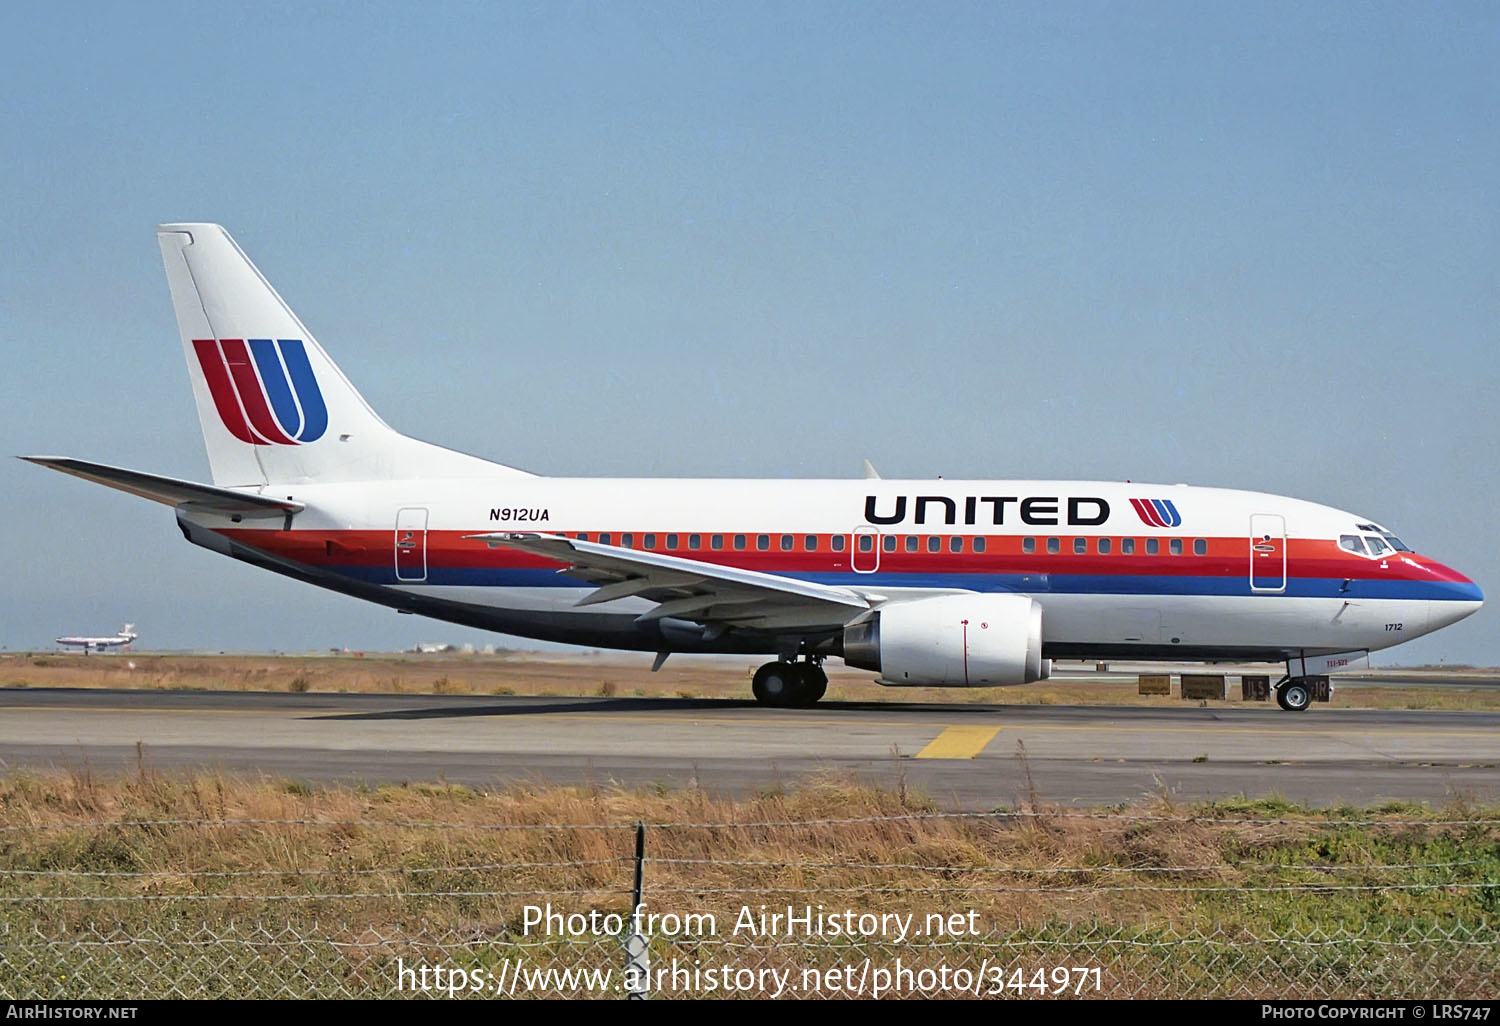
{"x": 789, "y": 685}
{"x": 1294, "y": 694}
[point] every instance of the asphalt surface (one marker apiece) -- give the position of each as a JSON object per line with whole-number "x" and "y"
{"x": 964, "y": 756}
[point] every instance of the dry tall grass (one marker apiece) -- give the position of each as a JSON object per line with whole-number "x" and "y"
{"x": 204, "y": 884}
{"x": 239, "y": 842}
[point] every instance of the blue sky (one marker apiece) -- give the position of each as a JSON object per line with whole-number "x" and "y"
{"x": 1254, "y": 247}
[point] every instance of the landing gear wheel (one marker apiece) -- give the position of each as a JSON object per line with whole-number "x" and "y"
{"x": 812, "y": 684}
{"x": 1294, "y": 696}
{"x": 775, "y": 684}
{"x": 784, "y": 685}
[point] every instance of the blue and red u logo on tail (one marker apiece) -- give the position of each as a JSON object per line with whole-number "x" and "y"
{"x": 264, "y": 389}
{"x": 1157, "y": 512}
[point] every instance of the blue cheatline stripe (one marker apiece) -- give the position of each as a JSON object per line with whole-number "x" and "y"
{"x": 278, "y": 389}
{"x": 1031, "y": 584}
{"x": 314, "y": 413}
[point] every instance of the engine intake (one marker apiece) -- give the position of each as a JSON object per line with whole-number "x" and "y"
{"x": 951, "y": 641}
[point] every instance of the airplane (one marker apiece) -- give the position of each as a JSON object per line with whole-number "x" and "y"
{"x": 941, "y": 583}
{"x": 123, "y": 639}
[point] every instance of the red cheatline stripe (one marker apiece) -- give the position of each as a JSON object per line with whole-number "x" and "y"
{"x": 251, "y": 394}
{"x": 1307, "y": 558}
{"x": 222, "y": 389}
{"x": 1146, "y": 513}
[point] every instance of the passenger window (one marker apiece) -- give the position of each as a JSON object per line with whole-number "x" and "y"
{"x": 716, "y": 542}
{"x": 583, "y": 536}
{"x": 1080, "y": 546}
{"x": 739, "y": 542}
{"x": 911, "y": 543}
{"x": 934, "y": 543}
{"x": 1352, "y": 543}
{"x": 1054, "y": 545}
{"x": 786, "y": 543}
{"x": 1176, "y": 546}
{"x": 955, "y": 544}
{"x": 695, "y": 541}
{"x": 811, "y": 541}
{"x": 627, "y": 541}
{"x": 671, "y": 541}
{"x": 837, "y": 543}
{"x": 1028, "y": 544}
{"x": 979, "y": 544}
{"x": 650, "y": 541}
{"x": 1200, "y": 547}
{"x": 890, "y": 543}
{"x": 1151, "y": 546}
{"x": 604, "y": 539}
{"x": 762, "y": 542}
{"x": 1104, "y": 546}
{"x": 866, "y": 543}
{"x": 1127, "y": 546}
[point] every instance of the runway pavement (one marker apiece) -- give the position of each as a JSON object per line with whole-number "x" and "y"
{"x": 968, "y": 756}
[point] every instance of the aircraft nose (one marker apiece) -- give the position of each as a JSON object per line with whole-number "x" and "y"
{"x": 1458, "y": 597}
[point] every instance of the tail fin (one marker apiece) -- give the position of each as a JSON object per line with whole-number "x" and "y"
{"x": 274, "y": 408}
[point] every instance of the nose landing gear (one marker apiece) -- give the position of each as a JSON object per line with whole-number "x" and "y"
{"x": 785, "y": 684}
{"x": 1294, "y": 694}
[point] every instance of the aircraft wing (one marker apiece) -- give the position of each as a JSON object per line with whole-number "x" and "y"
{"x": 171, "y": 490}
{"x": 688, "y": 589}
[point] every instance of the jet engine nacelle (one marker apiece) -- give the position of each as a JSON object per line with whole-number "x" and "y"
{"x": 951, "y": 641}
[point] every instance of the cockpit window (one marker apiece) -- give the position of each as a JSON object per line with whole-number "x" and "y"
{"x": 1351, "y": 543}
{"x": 1380, "y": 540}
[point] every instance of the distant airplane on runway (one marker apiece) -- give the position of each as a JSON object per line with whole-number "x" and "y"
{"x": 940, "y": 582}
{"x": 122, "y": 640}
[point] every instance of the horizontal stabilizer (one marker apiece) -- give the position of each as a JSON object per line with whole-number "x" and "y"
{"x": 170, "y": 490}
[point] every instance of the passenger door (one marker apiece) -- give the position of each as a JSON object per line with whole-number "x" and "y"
{"x": 411, "y": 544}
{"x": 1267, "y": 553}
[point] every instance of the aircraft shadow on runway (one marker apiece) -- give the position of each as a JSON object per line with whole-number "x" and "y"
{"x": 521, "y": 706}
{"x": 524, "y": 706}
{"x": 538, "y": 707}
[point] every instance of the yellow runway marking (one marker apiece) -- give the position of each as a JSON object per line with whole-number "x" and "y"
{"x": 959, "y": 743}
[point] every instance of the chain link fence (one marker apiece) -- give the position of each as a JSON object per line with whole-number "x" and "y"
{"x": 333, "y": 960}
{"x": 1016, "y": 905}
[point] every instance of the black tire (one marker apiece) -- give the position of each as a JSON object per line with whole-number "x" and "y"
{"x": 1294, "y": 696}
{"x": 812, "y": 684}
{"x": 775, "y": 684}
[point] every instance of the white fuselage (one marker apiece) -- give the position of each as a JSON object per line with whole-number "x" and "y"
{"x": 1238, "y": 575}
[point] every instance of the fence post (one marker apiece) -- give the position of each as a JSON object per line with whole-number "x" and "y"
{"x": 637, "y": 964}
